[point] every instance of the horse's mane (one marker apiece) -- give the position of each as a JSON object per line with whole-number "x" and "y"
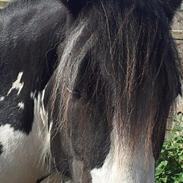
{"x": 119, "y": 56}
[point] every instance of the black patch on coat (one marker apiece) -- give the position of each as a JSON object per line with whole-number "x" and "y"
{"x": 29, "y": 36}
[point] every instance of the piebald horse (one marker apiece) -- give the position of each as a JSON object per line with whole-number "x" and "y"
{"x": 30, "y": 31}
{"x": 86, "y": 89}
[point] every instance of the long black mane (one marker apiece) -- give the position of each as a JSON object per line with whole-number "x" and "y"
{"x": 119, "y": 60}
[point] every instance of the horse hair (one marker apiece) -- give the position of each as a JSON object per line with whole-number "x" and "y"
{"x": 123, "y": 62}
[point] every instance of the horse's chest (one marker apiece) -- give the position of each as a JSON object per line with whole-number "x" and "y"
{"x": 21, "y": 135}
{"x": 19, "y": 156}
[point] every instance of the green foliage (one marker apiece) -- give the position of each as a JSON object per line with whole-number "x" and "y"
{"x": 169, "y": 167}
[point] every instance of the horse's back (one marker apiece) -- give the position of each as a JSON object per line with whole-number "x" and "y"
{"x": 30, "y": 33}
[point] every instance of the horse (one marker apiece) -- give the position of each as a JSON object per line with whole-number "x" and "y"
{"x": 113, "y": 89}
{"x": 29, "y": 34}
{"x": 100, "y": 115}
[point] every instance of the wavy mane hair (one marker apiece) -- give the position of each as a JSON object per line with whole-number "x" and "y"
{"x": 118, "y": 66}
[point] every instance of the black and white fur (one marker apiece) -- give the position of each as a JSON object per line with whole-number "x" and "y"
{"x": 100, "y": 106}
{"x": 111, "y": 94}
{"x": 30, "y": 31}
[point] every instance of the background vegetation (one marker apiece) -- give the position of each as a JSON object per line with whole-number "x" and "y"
{"x": 169, "y": 167}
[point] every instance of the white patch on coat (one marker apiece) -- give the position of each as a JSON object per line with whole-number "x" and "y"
{"x": 23, "y": 157}
{"x": 21, "y": 105}
{"x": 17, "y": 85}
{"x": 18, "y": 162}
{"x": 125, "y": 167}
{"x": 2, "y": 98}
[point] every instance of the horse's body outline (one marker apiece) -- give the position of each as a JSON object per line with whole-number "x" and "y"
{"x": 85, "y": 85}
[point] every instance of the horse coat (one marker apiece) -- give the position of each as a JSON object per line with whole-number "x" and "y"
{"x": 29, "y": 34}
{"x": 88, "y": 83}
